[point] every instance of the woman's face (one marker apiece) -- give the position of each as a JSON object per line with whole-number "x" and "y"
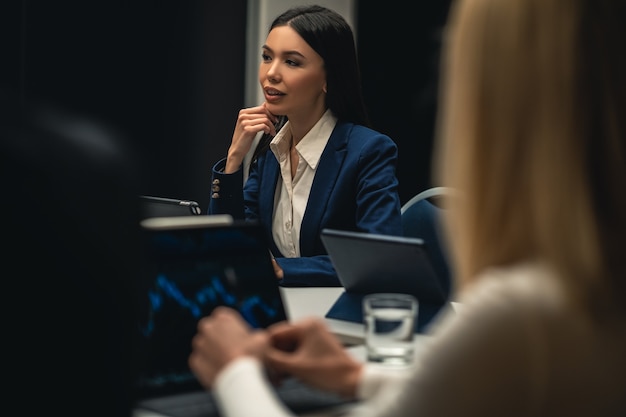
{"x": 292, "y": 76}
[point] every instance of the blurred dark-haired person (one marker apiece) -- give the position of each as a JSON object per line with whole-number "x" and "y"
{"x": 71, "y": 258}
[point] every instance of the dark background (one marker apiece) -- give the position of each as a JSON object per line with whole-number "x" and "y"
{"x": 169, "y": 76}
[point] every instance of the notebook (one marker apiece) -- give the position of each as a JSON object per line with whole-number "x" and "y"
{"x": 193, "y": 264}
{"x": 369, "y": 263}
{"x": 152, "y": 206}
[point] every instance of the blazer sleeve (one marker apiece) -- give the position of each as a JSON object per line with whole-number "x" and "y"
{"x": 309, "y": 271}
{"x": 226, "y": 192}
{"x": 378, "y": 208}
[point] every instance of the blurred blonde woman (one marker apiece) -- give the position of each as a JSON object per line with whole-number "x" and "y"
{"x": 532, "y": 135}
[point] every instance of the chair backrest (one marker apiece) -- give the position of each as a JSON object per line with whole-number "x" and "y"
{"x": 421, "y": 218}
{"x": 433, "y": 195}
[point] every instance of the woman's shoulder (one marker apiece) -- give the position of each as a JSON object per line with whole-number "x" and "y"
{"x": 502, "y": 301}
{"x": 526, "y": 283}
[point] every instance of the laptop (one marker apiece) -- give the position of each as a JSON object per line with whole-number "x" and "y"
{"x": 152, "y": 206}
{"x": 192, "y": 265}
{"x": 369, "y": 263}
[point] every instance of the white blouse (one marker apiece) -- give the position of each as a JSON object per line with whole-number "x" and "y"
{"x": 292, "y": 194}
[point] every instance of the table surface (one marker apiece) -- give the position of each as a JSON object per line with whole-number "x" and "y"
{"x": 315, "y": 302}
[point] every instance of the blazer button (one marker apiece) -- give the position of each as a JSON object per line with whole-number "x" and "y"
{"x": 216, "y": 181}
{"x": 215, "y": 195}
{"x": 215, "y": 188}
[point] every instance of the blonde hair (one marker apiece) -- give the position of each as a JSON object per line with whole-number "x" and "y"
{"x": 532, "y": 135}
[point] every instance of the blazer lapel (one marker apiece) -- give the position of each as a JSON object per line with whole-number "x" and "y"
{"x": 267, "y": 187}
{"x": 326, "y": 175}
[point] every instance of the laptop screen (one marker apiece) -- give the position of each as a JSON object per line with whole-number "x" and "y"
{"x": 190, "y": 270}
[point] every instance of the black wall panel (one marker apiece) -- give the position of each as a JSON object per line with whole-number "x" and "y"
{"x": 399, "y": 44}
{"x": 166, "y": 74}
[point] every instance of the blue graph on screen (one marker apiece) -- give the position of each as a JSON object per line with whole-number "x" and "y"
{"x": 201, "y": 301}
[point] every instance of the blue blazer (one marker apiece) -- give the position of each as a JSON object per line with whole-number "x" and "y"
{"x": 355, "y": 188}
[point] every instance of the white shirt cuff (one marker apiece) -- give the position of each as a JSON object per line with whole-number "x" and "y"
{"x": 375, "y": 378}
{"x": 242, "y": 389}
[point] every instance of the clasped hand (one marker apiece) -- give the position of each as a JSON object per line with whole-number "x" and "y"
{"x": 305, "y": 349}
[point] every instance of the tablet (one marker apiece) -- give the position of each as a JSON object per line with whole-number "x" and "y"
{"x": 371, "y": 263}
{"x": 368, "y": 263}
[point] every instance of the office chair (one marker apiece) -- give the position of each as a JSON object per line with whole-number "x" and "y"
{"x": 434, "y": 195}
{"x": 421, "y": 218}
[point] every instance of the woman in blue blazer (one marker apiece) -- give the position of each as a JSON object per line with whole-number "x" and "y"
{"x": 317, "y": 164}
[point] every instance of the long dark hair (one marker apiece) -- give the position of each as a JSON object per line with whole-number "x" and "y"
{"x": 328, "y": 33}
